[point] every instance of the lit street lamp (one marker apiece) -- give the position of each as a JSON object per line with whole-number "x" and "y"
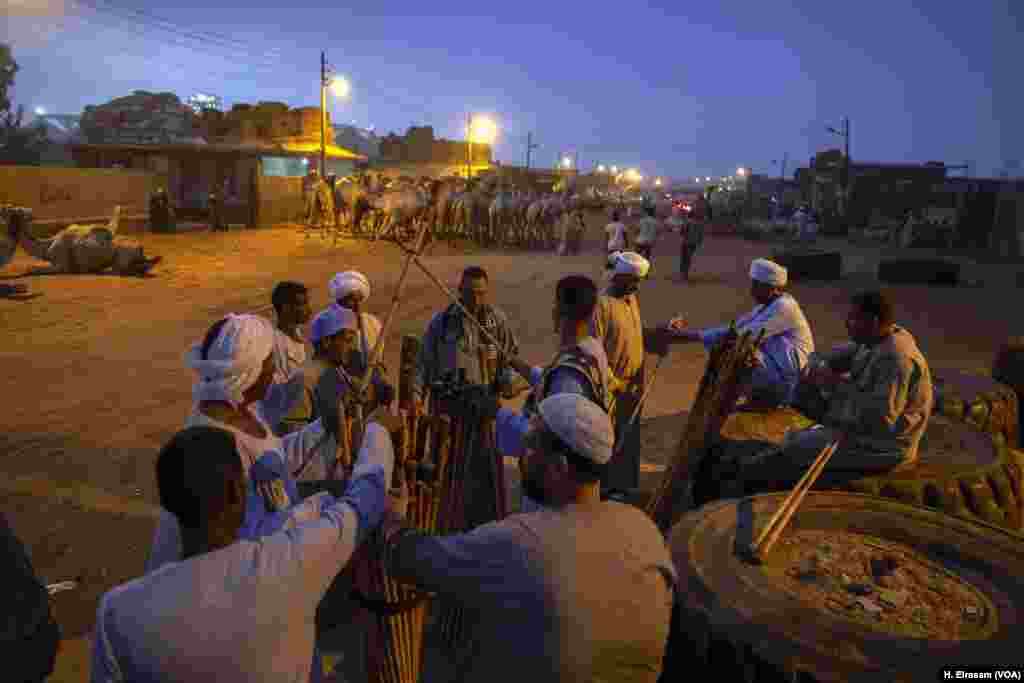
{"x": 340, "y": 87}
{"x": 479, "y": 129}
{"x": 40, "y": 111}
{"x": 615, "y": 170}
{"x": 657, "y": 182}
{"x": 741, "y": 172}
{"x": 566, "y": 162}
{"x": 601, "y": 168}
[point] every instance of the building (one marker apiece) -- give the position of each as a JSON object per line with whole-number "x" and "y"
{"x": 360, "y": 140}
{"x": 419, "y": 153}
{"x": 878, "y": 191}
{"x": 201, "y": 102}
{"x": 142, "y": 118}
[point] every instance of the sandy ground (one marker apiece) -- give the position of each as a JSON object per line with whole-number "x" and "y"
{"x": 94, "y": 381}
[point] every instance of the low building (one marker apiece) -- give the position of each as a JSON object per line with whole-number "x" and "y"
{"x": 254, "y": 180}
{"x": 419, "y": 153}
{"x": 142, "y": 118}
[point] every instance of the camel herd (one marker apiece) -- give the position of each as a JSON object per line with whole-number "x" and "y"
{"x": 485, "y": 211}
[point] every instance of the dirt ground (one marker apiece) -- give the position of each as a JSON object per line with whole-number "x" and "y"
{"x": 94, "y": 380}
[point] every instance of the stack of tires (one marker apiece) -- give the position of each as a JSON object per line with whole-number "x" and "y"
{"x": 920, "y": 271}
{"x": 810, "y": 264}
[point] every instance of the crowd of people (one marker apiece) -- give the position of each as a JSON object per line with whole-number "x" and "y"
{"x": 579, "y": 585}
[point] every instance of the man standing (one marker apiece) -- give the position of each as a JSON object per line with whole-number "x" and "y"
{"x": 787, "y": 343}
{"x": 616, "y": 232}
{"x": 692, "y": 233}
{"x": 235, "y": 609}
{"x": 647, "y": 233}
{"x": 351, "y": 290}
{"x": 327, "y": 390}
{"x": 292, "y": 310}
{"x": 879, "y": 402}
{"x": 580, "y": 591}
{"x": 452, "y": 344}
{"x": 618, "y": 325}
{"x": 580, "y": 367}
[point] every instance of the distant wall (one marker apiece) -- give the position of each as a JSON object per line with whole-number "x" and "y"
{"x": 280, "y": 200}
{"x": 60, "y": 196}
{"x": 417, "y": 170}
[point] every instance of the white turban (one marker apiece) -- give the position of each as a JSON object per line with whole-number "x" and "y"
{"x": 768, "y": 272}
{"x": 331, "y": 321}
{"x": 349, "y": 282}
{"x": 632, "y": 263}
{"x": 234, "y": 361}
{"x": 581, "y": 424}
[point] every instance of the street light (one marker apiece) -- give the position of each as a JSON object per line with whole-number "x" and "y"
{"x": 615, "y": 170}
{"x": 479, "y": 129}
{"x": 657, "y": 182}
{"x": 741, "y": 172}
{"x": 40, "y": 111}
{"x": 340, "y": 87}
{"x": 600, "y": 168}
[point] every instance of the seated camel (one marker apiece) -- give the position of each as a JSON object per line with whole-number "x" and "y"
{"x": 85, "y": 248}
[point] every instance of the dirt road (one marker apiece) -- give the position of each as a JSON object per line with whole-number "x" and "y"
{"x": 94, "y": 380}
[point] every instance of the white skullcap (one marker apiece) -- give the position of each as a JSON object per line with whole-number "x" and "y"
{"x": 349, "y": 282}
{"x": 768, "y": 272}
{"x": 234, "y": 360}
{"x": 632, "y": 263}
{"x": 581, "y": 424}
{"x": 331, "y": 321}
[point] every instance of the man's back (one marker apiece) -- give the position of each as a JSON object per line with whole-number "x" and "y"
{"x": 582, "y": 593}
{"x": 245, "y": 612}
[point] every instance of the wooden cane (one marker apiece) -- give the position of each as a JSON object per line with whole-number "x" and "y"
{"x": 780, "y": 520}
{"x": 378, "y": 349}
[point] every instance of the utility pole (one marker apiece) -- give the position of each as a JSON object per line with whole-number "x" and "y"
{"x": 469, "y": 146}
{"x": 530, "y": 146}
{"x": 576, "y": 163}
{"x": 323, "y": 114}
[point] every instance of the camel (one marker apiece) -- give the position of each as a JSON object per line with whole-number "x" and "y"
{"x": 85, "y": 249}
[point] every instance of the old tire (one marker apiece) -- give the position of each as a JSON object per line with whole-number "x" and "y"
{"x": 810, "y": 264}
{"x": 1008, "y": 369}
{"x": 732, "y": 620}
{"x": 920, "y": 271}
{"x": 960, "y": 470}
{"x": 983, "y": 402}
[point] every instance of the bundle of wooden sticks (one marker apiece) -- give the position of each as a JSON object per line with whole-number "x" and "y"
{"x": 432, "y": 456}
{"x": 728, "y": 366}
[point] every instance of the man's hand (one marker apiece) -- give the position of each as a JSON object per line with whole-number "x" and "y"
{"x": 678, "y": 324}
{"x": 392, "y": 423}
{"x": 397, "y": 502}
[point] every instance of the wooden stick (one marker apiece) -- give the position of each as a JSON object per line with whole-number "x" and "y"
{"x": 378, "y": 349}
{"x": 780, "y": 520}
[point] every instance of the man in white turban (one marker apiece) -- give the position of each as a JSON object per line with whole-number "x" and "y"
{"x": 351, "y": 290}
{"x": 327, "y": 385}
{"x": 618, "y": 326}
{"x": 604, "y": 563}
{"x": 235, "y": 367}
{"x": 787, "y": 343}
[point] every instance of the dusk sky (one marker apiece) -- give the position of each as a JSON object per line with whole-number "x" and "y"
{"x": 674, "y": 89}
